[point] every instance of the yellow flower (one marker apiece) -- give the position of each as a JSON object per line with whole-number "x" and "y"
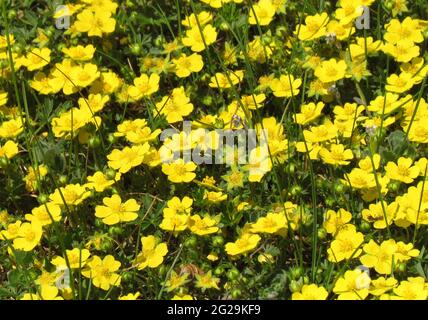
{"x": 285, "y": 86}
{"x": 314, "y": 27}
{"x": 202, "y": 17}
{"x": 414, "y": 288}
{"x": 47, "y": 292}
{"x": 262, "y": 13}
{"x": 225, "y": 81}
{"x": 309, "y": 112}
{"x": 144, "y": 86}
{"x": 347, "y": 286}
{"x": 182, "y": 297}
{"x": 175, "y": 205}
{"x": 100, "y": 182}
{"x": 34, "y": 176}
{"x": 346, "y": 245}
{"x": 9, "y": 149}
{"x": 380, "y": 257}
{"x": 401, "y": 83}
{"x": 348, "y": 11}
{"x": 70, "y": 195}
{"x": 202, "y": 226}
{"x": 359, "y": 179}
{"x": 402, "y": 51}
{"x": 130, "y": 296}
{"x": 175, "y": 106}
{"x": 179, "y": 171}
{"x": 336, "y": 221}
{"x": 376, "y": 215}
{"x": 37, "y": 58}
{"x": 214, "y": 197}
{"x": 381, "y": 285}
{"x": 331, "y": 70}
{"x": 245, "y": 243}
{"x": 29, "y": 236}
{"x": 407, "y": 30}
{"x": 80, "y": 53}
{"x": 95, "y": 23}
{"x": 76, "y": 258}
{"x": 85, "y": 75}
{"x": 69, "y": 123}
{"x": 127, "y": 158}
{"x": 402, "y": 171}
{"x": 310, "y": 292}
{"x": 206, "y": 281}
{"x": 324, "y": 132}
{"x": 152, "y": 253}
{"x": 336, "y": 155}
{"x": 185, "y": 65}
{"x": 45, "y": 214}
{"x": 11, "y": 231}
{"x": 103, "y": 272}
{"x": 271, "y": 223}
{"x": 197, "y": 41}
{"x": 114, "y": 211}
{"x": 94, "y": 103}
{"x": 11, "y": 128}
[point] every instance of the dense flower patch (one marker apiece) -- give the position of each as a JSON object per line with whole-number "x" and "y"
{"x": 214, "y": 149}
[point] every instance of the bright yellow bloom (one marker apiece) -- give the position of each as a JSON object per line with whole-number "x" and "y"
{"x": 76, "y": 257}
{"x": 285, "y": 86}
{"x": 376, "y": 215}
{"x": 346, "y": 245}
{"x": 245, "y": 243}
{"x": 185, "y": 65}
{"x": 262, "y": 13}
{"x": 127, "y": 158}
{"x": 310, "y": 292}
{"x": 402, "y": 171}
{"x": 309, "y": 112}
{"x": 225, "y": 81}
{"x": 407, "y": 30}
{"x": 95, "y": 23}
{"x": 271, "y": 223}
{"x": 380, "y": 257}
{"x": 202, "y": 226}
{"x": 45, "y": 214}
{"x": 144, "y": 86}
{"x": 47, "y": 292}
{"x": 100, "y": 182}
{"x": 70, "y": 195}
{"x": 103, "y": 272}
{"x": 11, "y": 128}
{"x": 347, "y": 286}
{"x": 197, "y": 41}
{"x": 29, "y": 236}
{"x": 336, "y": 221}
{"x": 152, "y": 253}
{"x": 175, "y": 106}
{"x": 336, "y": 155}
{"x": 80, "y": 53}
{"x": 413, "y": 289}
{"x": 314, "y": 27}
{"x": 114, "y": 211}
{"x": 37, "y": 58}
{"x": 331, "y": 70}
{"x": 179, "y": 171}
{"x": 9, "y": 149}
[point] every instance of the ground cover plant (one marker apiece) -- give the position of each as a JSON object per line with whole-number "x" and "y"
{"x": 213, "y": 149}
